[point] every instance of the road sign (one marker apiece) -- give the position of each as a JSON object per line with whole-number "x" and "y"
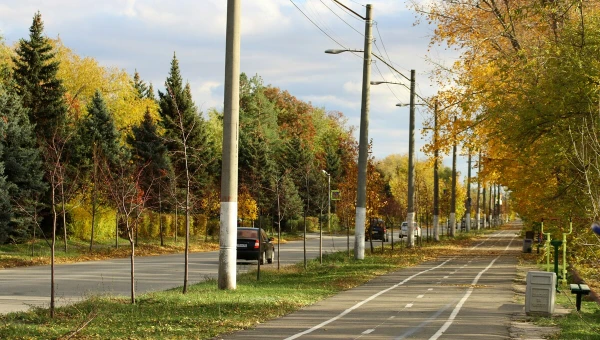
{"x": 335, "y": 195}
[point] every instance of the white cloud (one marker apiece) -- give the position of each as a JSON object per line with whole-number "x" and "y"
{"x": 278, "y": 43}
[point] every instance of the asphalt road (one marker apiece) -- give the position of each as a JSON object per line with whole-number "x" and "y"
{"x": 21, "y": 288}
{"x": 463, "y": 297}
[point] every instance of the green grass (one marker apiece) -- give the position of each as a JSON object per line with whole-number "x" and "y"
{"x": 582, "y": 325}
{"x": 205, "y": 311}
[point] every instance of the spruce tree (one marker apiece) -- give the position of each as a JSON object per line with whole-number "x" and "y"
{"x": 151, "y": 154}
{"x": 98, "y": 145}
{"x": 36, "y": 82}
{"x": 175, "y": 101}
{"x": 23, "y": 176}
{"x": 188, "y": 143}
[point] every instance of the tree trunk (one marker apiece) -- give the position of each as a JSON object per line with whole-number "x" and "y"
{"x": 132, "y": 261}
{"x": 64, "y": 213}
{"x": 94, "y": 198}
{"x": 160, "y": 221}
{"x": 54, "y": 219}
{"x": 117, "y": 229}
{"x": 187, "y": 221}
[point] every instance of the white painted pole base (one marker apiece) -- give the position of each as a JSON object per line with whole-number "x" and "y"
{"x": 436, "y": 227}
{"x": 468, "y": 222}
{"x": 228, "y": 245}
{"x": 359, "y": 233}
{"x": 410, "y": 218}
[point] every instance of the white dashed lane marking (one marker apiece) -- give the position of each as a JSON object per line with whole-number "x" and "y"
{"x": 420, "y": 296}
{"x": 368, "y": 331}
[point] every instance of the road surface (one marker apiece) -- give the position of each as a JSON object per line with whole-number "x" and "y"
{"x": 464, "y": 297}
{"x": 21, "y": 288}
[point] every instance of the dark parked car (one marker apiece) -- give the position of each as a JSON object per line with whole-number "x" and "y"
{"x": 248, "y": 246}
{"x": 377, "y": 229}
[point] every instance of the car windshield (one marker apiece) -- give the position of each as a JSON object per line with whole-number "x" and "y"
{"x": 246, "y": 233}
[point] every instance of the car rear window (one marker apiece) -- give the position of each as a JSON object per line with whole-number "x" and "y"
{"x": 247, "y": 234}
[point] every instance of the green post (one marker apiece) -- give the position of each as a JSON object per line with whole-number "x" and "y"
{"x": 564, "y": 278}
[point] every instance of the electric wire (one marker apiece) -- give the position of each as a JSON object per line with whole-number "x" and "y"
{"x": 337, "y": 15}
{"x": 345, "y": 10}
{"x": 317, "y": 26}
{"x": 388, "y": 85}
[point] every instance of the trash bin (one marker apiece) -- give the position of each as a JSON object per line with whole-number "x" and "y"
{"x": 527, "y": 244}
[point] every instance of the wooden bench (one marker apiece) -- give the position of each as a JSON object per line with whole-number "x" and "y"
{"x": 579, "y": 289}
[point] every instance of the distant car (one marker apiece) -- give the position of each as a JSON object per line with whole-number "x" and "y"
{"x": 377, "y": 229}
{"x": 404, "y": 229}
{"x": 248, "y": 245}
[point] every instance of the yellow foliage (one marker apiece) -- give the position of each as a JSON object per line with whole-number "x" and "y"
{"x": 82, "y": 76}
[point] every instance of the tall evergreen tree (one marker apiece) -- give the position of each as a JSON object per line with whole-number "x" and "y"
{"x": 151, "y": 154}
{"x": 188, "y": 143}
{"x": 98, "y": 145}
{"x": 22, "y": 175}
{"x": 175, "y": 101}
{"x": 36, "y": 82}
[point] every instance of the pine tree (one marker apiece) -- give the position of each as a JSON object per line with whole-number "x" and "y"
{"x": 23, "y": 176}
{"x": 36, "y": 82}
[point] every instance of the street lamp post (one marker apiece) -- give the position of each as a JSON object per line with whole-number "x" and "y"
{"x": 411, "y": 152}
{"x": 363, "y": 142}
{"x": 328, "y": 216}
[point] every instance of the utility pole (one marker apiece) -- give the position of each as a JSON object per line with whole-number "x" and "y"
{"x": 453, "y": 199}
{"x": 484, "y": 208}
{"x": 478, "y": 215}
{"x": 229, "y": 172}
{"x": 468, "y": 204}
{"x": 436, "y": 177}
{"x": 363, "y": 143}
{"x": 498, "y": 198}
{"x": 411, "y": 164}
{"x": 492, "y": 207}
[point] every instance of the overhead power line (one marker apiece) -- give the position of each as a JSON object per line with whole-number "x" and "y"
{"x": 317, "y": 26}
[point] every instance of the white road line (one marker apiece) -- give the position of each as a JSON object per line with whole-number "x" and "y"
{"x": 425, "y": 322}
{"x": 368, "y": 331}
{"x": 391, "y": 317}
{"x": 420, "y": 296}
{"x": 342, "y": 314}
{"x": 408, "y": 305}
{"x": 465, "y": 297}
{"x": 445, "y": 277}
{"x": 430, "y": 289}
{"x": 461, "y": 302}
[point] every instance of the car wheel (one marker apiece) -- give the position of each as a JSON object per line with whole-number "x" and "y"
{"x": 270, "y": 259}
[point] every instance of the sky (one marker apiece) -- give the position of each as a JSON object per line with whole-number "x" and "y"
{"x": 279, "y": 43}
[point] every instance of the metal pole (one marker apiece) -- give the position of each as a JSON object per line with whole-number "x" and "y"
{"x": 484, "y": 208}
{"x": 478, "y": 215}
{"x": 468, "y": 205}
{"x": 229, "y": 172}
{"x": 411, "y": 165}
{"x": 436, "y": 177}
{"x": 453, "y": 198}
{"x": 363, "y": 144}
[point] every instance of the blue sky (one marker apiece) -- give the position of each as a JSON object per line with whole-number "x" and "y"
{"x": 278, "y": 43}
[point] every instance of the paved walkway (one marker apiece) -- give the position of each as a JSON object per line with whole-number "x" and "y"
{"x": 464, "y": 297}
